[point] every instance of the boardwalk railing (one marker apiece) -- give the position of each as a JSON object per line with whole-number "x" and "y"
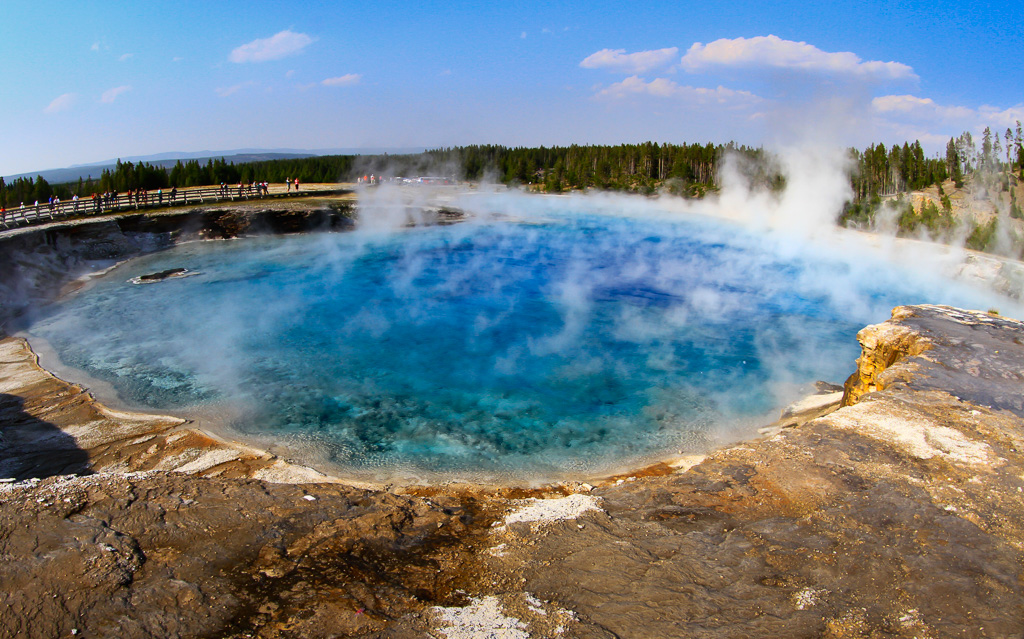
{"x": 121, "y": 202}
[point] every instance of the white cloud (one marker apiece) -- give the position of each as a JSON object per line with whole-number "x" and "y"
{"x": 280, "y": 45}
{"x": 901, "y": 103}
{"x": 226, "y": 91}
{"x": 663, "y": 88}
{"x": 111, "y": 94}
{"x": 342, "y": 81}
{"x": 95, "y": 46}
{"x": 772, "y": 51}
{"x": 639, "y": 62}
{"x": 126, "y": 57}
{"x": 926, "y": 109}
{"x": 911, "y": 117}
{"x": 919, "y": 108}
{"x": 61, "y": 103}
{"x": 522, "y": 35}
{"x": 177, "y": 58}
{"x": 1003, "y": 118}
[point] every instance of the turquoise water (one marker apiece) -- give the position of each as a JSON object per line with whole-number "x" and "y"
{"x": 499, "y": 350}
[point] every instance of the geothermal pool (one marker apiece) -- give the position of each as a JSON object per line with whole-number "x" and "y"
{"x": 564, "y": 345}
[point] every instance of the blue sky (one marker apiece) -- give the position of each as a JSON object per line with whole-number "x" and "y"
{"x": 89, "y": 81}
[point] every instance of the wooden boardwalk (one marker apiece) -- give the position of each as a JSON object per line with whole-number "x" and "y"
{"x": 27, "y": 215}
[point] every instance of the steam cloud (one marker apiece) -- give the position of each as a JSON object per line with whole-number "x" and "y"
{"x": 759, "y": 287}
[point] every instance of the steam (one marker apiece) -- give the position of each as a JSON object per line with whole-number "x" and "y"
{"x": 667, "y": 324}
{"x": 816, "y": 188}
{"x": 796, "y": 223}
{"x": 390, "y": 207}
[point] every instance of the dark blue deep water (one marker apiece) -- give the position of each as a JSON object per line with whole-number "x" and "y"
{"x": 563, "y": 346}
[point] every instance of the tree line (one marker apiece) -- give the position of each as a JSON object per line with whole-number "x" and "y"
{"x": 691, "y": 170}
{"x": 133, "y": 176}
{"x": 687, "y": 168}
{"x": 898, "y": 169}
{"x": 884, "y": 174}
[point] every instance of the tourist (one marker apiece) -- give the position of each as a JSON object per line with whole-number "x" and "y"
{"x": 174, "y": 193}
{"x": 288, "y": 183}
{"x": 296, "y": 185}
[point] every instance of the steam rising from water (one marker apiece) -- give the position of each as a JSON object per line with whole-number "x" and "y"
{"x": 544, "y": 337}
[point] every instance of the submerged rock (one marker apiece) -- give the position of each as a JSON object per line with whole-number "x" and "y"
{"x": 162, "y": 275}
{"x": 899, "y": 515}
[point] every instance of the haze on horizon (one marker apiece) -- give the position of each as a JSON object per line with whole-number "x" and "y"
{"x": 87, "y": 83}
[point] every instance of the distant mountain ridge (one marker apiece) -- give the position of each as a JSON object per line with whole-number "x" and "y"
{"x": 169, "y": 159}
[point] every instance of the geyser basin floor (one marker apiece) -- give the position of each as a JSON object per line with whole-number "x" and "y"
{"x": 484, "y": 351}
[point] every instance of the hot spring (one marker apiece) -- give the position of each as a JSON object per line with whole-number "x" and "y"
{"x": 562, "y": 344}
